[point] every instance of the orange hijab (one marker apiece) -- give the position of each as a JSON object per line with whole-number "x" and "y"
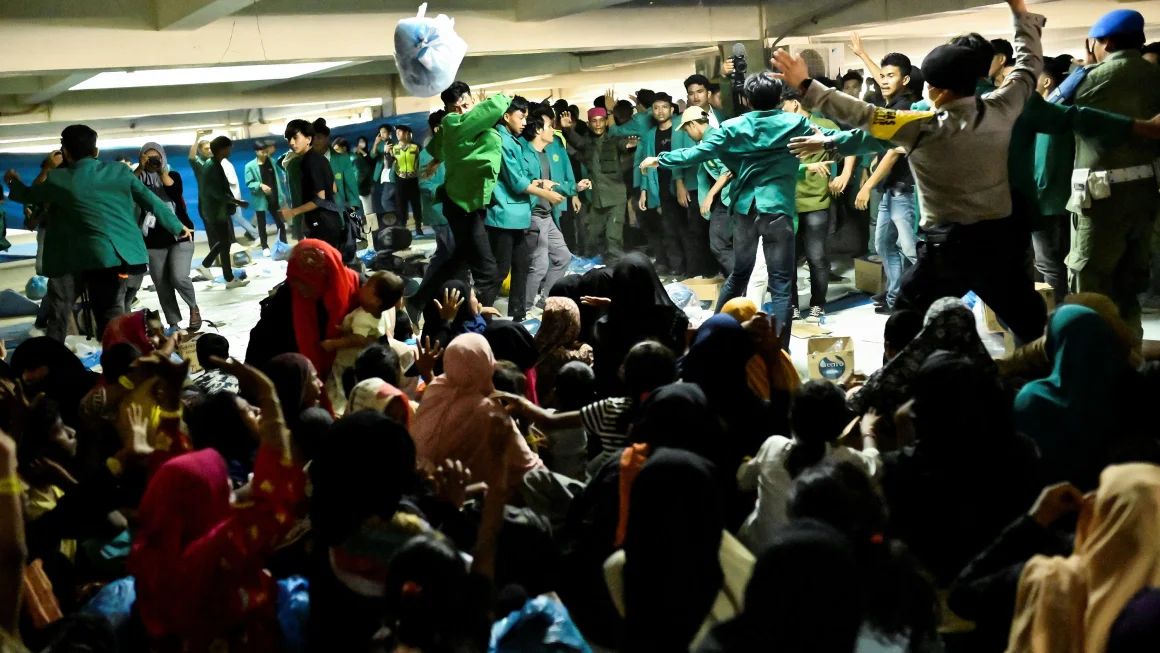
{"x": 1068, "y": 605}
{"x": 316, "y": 268}
{"x": 783, "y": 376}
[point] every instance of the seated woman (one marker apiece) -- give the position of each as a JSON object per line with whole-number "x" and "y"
{"x": 458, "y": 417}
{"x": 142, "y": 329}
{"x": 1071, "y": 603}
{"x": 197, "y": 560}
{"x": 318, "y": 294}
{"x": 639, "y": 310}
{"x": 1086, "y": 406}
{"x": 381, "y": 397}
{"x": 558, "y": 344}
{"x": 511, "y": 342}
{"x": 674, "y": 523}
{"x": 593, "y": 283}
{"x": 817, "y": 418}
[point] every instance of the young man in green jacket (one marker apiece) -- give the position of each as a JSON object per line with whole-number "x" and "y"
{"x": 432, "y": 206}
{"x": 510, "y": 214}
{"x": 265, "y": 181}
{"x": 755, "y": 147}
{"x": 345, "y": 177}
{"x": 217, "y": 204}
{"x": 93, "y": 235}
{"x": 547, "y": 249}
{"x": 471, "y": 150}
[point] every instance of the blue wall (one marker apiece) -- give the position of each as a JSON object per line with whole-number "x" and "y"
{"x": 28, "y": 165}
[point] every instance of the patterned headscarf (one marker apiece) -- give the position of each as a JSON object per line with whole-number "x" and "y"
{"x": 560, "y": 324}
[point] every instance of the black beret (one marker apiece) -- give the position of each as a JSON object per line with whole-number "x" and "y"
{"x": 950, "y": 67}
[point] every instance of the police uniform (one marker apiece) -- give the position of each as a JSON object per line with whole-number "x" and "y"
{"x": 1114, "y": 189}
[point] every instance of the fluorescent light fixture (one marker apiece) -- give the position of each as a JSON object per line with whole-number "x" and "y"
{"x": 210, "y": 75}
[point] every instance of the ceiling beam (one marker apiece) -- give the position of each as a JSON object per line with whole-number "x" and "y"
{"x": 352, "y": 68}
{"x": 812, "y": 19}
{"x": 604, "y": 60}
{"x": 54, "y": 86}
{"x": 539, "y": 10}
{"x": 193, "y": 14}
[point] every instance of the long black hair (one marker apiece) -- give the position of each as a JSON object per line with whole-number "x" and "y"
{"x": 817, "y": 416}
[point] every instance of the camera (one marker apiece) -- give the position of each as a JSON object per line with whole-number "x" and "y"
{"x": 154, "y": 163}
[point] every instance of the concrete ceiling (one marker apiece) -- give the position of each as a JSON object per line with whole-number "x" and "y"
{"x": 566, "y": 48}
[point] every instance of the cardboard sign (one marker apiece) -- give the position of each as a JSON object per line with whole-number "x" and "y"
{"x": 830, "y": 358}
{"x": 188, "y": 351}
{"x": 869, "y": 276}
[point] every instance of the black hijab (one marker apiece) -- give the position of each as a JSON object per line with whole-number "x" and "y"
{"x": 593, "y": 283}
{"x": 672, "y": 572}
{"x": 636, "y": 289}
{"x": 677, "y": 416}
{"x": 803, "y": 597}
{"x": 290, "y": 374}
{"x": 510, "y": 341}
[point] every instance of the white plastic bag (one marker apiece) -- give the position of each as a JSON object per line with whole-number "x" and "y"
{"x": 428, "y": 53}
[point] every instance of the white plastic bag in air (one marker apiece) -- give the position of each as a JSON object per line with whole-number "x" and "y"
{"x": 428, "y": 53}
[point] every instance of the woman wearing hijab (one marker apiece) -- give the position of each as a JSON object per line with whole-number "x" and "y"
{"x": 458, "y": 419}
{"x": 318, "y": 294}
{"x": 640, "y": 310}
{"x": 804, "y": 596}
{"x": 381, "y": 397}
{"x": 680, "y": 573}
{"x": 142, "y": 329}
{"x": 1069, "y": 604}
{"x": 197, "y": 561}
{"x": 510, "y": 341}
{"x": 558, "y": 344}
{"x": 363, "y": 469}
{"x": 764, "y": 376}
{"x": 1076, "y": 414}
{"x": 718, "y": 361}
{"x": 950, "y": 327}
{"x": 301, "y": 393}
{"x": 46, "y": 365}
{"x": 170, "y": 257}
{"x": 968, "y": 473}
{"x": 593, "y": 283}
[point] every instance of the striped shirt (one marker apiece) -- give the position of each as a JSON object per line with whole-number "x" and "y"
{"x": 608, "y": 420}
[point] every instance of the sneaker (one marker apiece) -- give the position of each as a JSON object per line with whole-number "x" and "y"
{"x": 205, "y": 272}
{"x": 816, "y": 315}
{"x": 883, "y": 310}
{"x": 797, "y": 315}
{"x": 266, "y": 252}
{"x": 879, "y": 299}
{"x": 237, "y": 283}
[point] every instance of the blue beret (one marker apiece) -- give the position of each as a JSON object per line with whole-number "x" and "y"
{"x": 1120, "y": 21}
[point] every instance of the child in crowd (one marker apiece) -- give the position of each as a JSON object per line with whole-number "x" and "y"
{"x": 373, "y": 320}
{"x": 214, "y": 379}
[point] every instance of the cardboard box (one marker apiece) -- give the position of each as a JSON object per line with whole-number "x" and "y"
{"x": 188, "y": 351}
{"x": 829, "y": 358}
{"x": 706, "y": 290}
{"x": 869, "y": 277}
{"x": 991, "y": 321}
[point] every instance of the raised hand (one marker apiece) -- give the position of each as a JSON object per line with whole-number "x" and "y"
{"x": 451, "y": 481}
{"x": 449, "y": 307}
{"x": 856, "y": 44}
{"x": 793, "y": 68}
{"x": 427, "y": 355}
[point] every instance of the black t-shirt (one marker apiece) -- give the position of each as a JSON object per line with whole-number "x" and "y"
{"x": 664, "y": 143}
{"x": 316, "y": 176}
{"x": 268, "y": 178}
{"x": 900, "y": 176}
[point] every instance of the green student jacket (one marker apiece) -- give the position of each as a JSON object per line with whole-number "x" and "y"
{"x": 511, "y": 207}
{"x": 432, "y": 206}
{"x": 755, "y": 146}
{"x": 471, "y": 151}
{"x": 345, "y": 178}
{"x": 213, "y": 190}
{"x": 94, "y": 226}
{"x": 259, "y": 201}
{"x": 560, "y": 167}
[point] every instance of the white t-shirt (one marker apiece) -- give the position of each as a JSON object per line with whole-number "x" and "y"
{"x": 767, "y": 473}
{"x": 361, "y": 323}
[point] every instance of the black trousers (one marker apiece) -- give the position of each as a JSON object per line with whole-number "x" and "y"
{"x": 278, "y": 222}
{"x": 407, "y": 195}
{"x": 674, "y": 234}
{"x": 512, "y": 254}
{"x": 697, "y": 253}
{"x": 472, "y": 249}
{"x": 221, "y": 236}
{"x": 988, "y": 257}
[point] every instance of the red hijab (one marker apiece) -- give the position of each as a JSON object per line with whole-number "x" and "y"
{"x": 132, "y": 328}
{"x": 317, "y": 266}
{"x": 185, "y": 501}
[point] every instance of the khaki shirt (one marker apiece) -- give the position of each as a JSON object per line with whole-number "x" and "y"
{"x": 1123, "y": 83}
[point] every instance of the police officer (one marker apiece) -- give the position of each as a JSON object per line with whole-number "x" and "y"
{"x": 1114, "y": 189}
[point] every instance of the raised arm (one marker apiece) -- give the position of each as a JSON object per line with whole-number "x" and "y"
{"x": 1020, "y": 84}
{"x": 638, "y": 126}
{"x": 706, "y": 150}
{"x": 871, "y": 67}
{"x": 484, "y": 115}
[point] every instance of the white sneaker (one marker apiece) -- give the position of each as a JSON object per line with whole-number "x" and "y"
{"x": 237, "y": 283}
{"x": 817, "y": 313}
{"x": 205, "y": 272}
{"x": 266, "y": 252}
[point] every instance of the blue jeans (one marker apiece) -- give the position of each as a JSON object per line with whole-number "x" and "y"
{"x": 776, "y": 233}
{"x": 895, "y": 238}
{"x": 241, "y": 221}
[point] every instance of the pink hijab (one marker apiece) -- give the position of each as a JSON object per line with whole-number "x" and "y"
{"x": 457, "y": 417}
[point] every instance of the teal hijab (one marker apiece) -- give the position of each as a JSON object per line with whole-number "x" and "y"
{"x": 1075, "y": 413}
